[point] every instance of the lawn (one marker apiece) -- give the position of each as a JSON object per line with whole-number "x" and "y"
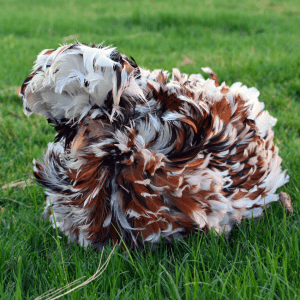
{"x": 255, "y": 42}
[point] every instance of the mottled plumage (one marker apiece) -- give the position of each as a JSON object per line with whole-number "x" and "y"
{"x": 142, "y": 156}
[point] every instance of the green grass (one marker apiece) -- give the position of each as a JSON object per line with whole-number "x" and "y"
{"x": 255, "y": 42}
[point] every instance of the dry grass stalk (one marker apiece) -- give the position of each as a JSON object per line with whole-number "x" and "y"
{"x": 13, "y": 200}
{"x": 70, "y": 37}
{"x": 20, "y": 183}
{"x": 54, "y": 294}
{"x": 186, "y": 61}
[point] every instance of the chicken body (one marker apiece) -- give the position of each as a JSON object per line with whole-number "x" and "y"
{"x": 139, "y": 156}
